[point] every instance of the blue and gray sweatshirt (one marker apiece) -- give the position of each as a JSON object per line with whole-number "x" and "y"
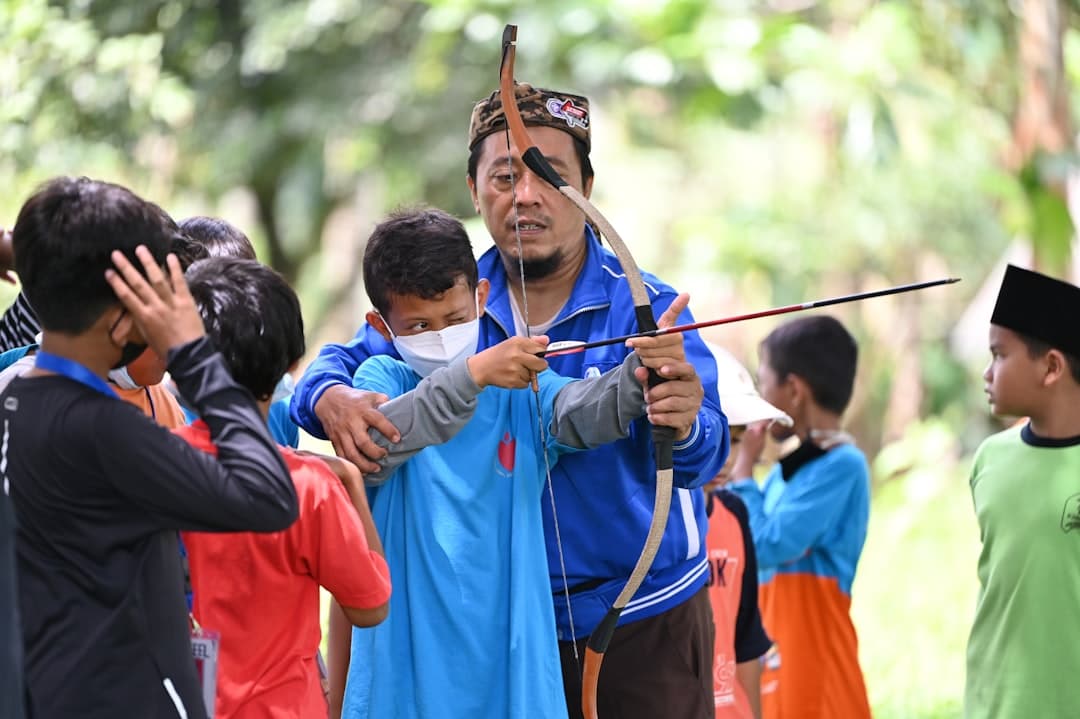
{"x": 602, "y": 523}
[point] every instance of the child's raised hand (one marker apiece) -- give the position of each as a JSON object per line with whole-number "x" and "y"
{"x": 161, "y": 306}
{"x": 511, "y": 364}
{"x": 749, "y": 449}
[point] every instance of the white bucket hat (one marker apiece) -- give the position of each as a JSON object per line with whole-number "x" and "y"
{"x": 739, "y": 399}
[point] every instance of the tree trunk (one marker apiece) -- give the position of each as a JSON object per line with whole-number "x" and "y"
{"x": 266, "y": 194}
{"x": 1042, "y": 129}
{"x": 1042, "y": 118}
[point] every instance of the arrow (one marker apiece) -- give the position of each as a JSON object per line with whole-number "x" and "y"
{"x": 569, "y": 347}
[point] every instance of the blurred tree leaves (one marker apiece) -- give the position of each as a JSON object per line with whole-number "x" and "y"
{"x": 783, "y": 149}
{"x": 297, "y": 100}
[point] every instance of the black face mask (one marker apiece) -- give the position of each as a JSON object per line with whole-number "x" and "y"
{"x": 130, "y": 351}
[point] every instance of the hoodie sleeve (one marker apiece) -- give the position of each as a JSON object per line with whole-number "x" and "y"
{"x": 595, "y": 411}
{"x": 247, "y": 487}
{"x": 335, "y": 364}
{"x": 431, "y": 412}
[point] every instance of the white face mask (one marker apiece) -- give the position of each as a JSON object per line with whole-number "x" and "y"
{"x": 428, "y": 351}
{"x": 122, "y": 379}
{"x": 285, "y": 388}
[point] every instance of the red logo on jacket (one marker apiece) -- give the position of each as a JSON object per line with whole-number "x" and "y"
{"x": 507, "y": 450}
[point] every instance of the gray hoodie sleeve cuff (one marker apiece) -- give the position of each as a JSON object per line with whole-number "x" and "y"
{"x": 432, "y": 413}
{"x": 595, "y": 411}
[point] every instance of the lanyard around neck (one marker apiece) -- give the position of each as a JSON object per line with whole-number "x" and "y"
{"x": 72, "y": 370}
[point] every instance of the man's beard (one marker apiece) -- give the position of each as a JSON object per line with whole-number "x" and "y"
{"x": 538, "y": 269}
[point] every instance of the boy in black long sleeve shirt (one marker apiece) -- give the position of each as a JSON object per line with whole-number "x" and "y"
{"x": 99, "y": 490}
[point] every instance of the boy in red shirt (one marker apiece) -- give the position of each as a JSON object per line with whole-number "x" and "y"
{"x": 741, "y": 641}
{"x": 261, "y": 592}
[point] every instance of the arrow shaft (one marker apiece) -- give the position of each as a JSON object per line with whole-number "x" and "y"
{"x": 786, "y": 309}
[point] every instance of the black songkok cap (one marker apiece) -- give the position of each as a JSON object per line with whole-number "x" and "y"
{"x": 1040, "y": 307}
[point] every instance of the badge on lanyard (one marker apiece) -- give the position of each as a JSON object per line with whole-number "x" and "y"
{"x": 204, "y": 648}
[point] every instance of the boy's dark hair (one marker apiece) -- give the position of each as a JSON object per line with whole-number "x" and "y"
{"x": 187, "y": 251}
{"x": 420, "y": 252}
{"x": 220, "y": 238}
{"x": 1038, "y": 348}
{"x": 820, "y": 351}
{"x": 253, "y": 318}
{"x": 63, "y": 239}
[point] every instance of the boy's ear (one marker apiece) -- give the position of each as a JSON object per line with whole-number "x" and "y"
{"x": 122, "y": 328}
{"x": 375, "y": 320}
{"x": 483, "y": 289}
{"x": 587, "y": 189}
{"x": 1056, "y": 367}
{"x": 801, "y": 395}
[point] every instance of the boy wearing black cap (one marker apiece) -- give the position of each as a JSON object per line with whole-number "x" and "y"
{"x": 1022, "y": 657}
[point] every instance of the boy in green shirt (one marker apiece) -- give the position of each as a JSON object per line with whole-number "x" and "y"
{"x": 1023, "y": 657}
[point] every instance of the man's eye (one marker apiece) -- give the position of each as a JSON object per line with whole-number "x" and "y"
{"x": 418, "y": 326}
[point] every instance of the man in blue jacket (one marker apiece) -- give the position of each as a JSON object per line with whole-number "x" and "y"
{"x": 659, "y": 662}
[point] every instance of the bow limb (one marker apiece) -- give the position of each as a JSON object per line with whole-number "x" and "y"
{"x": 663, "y": 437}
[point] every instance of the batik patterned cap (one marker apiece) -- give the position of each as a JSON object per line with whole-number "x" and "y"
{"x": 561, "y": 110}
{"x": 1040, "y": 307}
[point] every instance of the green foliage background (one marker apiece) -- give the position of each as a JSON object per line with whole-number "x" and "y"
{"x": 753, "y": 153}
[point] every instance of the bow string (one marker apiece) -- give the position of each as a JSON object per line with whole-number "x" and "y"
{"x": 663, "y": 437}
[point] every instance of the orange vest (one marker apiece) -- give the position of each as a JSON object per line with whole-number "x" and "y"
{"x": 727, "y": 560}
{"x": 156, "y": 402}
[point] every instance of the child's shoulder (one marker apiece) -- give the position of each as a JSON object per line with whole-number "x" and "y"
{"x": 847, "y": 456}
{"x": 1009, "y": 435}
{"x": 312, "y": 477}
{"x": 1005, "y": 440}
{"x": 1004, "y": 453}
{"x": 304, "y": 467}
{"x": 386, "y": 374}
{"x": 733, "y": 504}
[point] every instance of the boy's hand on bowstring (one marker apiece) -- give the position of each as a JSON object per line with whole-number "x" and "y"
{"x": 674, "y": 403}
{"x": 511, "y": 364}
{"x": 162, "y": 307}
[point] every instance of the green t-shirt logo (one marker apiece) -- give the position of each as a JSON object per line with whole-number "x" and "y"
{"x": 1070, "y": 516}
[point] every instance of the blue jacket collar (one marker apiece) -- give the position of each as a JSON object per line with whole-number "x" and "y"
{"x": 590, "y": 290}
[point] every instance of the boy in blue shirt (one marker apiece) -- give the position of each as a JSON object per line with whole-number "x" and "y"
{"x": 471, "y": 629}
{"x": 809, "y": 521}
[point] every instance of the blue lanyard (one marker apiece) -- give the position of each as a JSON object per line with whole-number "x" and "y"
{"x": 72, "y": 370}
